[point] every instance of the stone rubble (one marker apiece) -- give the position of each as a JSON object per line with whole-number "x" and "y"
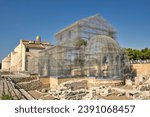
{"x": 68, "y": 94}
{"x": 69, "y": 91}
{"x": 137, "y": 89}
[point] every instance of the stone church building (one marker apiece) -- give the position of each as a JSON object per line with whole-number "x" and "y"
{"x": 19, "y": 59}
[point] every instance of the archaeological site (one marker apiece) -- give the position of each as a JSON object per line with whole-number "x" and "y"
{"x": 86, "y": 63}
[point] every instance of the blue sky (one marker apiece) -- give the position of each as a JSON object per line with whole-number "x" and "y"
{"x": 24, "y": 19}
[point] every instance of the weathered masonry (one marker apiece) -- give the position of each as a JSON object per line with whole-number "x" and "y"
{"x": 19, "y": 59}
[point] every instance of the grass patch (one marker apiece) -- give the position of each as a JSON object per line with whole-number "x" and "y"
{"x": 6, "y": 97}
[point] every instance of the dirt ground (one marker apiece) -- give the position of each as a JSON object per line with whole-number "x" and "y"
{"x": 111, "y": 97}
{"x": 38, "y": 95}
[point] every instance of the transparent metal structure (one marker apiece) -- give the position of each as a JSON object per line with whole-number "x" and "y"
{"x": 100, "y": 55}
{"x": 105, "y": 57}
{"x": 85, "y": 29}
{"x": 102, "y": 58}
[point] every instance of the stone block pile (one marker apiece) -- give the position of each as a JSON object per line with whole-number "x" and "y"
{"x": 71, "y": 90}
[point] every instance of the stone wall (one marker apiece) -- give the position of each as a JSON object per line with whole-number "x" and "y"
{"x": 32, "y": 85}
{"x": 6, "y": 63}
{"x": 54, "y": 83}
{"x": 32, "y": 55}
{"x": 16, "y": 59}
{"x": 141, "y": 69}
{"x": 97, "y": 82}
{"x": 22, "y": 79}
{"x": 45, "y": 81}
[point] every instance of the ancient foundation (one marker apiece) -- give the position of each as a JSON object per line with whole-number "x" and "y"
{"x": 55, "y": 82}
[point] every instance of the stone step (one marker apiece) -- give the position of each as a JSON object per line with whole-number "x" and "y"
{"x": 1, "y": 88}
{"x": 18, "y": 93}
{"x": 26, "y": 94}
{"x": 6, "y": 89}
{"x": 12, "y": 90}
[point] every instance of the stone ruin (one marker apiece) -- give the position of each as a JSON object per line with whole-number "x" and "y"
{"x": 79, "y": 90}
{"x": 31, "y": 88}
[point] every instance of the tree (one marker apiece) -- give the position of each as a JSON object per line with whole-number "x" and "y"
{"x": 135, "y": 54}
{"x": 81, "y": 42}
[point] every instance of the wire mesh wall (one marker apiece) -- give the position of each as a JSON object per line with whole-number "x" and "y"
{"x": 101, "y": 58}
{"x": 85, "y": 29}
{"x": 86, "y": 48}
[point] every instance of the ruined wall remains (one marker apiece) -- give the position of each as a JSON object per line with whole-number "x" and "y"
{"x": 74, "y": 84}
{"x": 23, "y": 79}
{"x": 31, "y": 85}
{"x": 55, "y": 83}
{"x": 109, "y": 82}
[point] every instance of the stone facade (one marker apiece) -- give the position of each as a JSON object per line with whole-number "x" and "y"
{"x": 6, "y": 63}
{"x": 21, "y": 58}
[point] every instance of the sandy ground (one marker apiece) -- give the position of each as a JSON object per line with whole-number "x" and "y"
{"x": 39, "y": 95}
{"x": 111, "y": 97}
{"x": 44, "y": 96}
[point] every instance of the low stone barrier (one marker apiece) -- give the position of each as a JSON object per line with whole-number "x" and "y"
{"x": 32, "y": 85}
{"x": 74, "y": 84}
{"x": 23, "y": 79}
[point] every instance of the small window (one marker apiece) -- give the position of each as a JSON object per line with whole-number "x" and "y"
{"x": 61, "y": 37}
{"x": 69, "y": 34}
{"x": 27, "y": 49}
{"x": 0, "y": 65}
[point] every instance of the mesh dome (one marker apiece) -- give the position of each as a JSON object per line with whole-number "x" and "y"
{"x": 105, "y": 57}
{"x": 102, "y": 43}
